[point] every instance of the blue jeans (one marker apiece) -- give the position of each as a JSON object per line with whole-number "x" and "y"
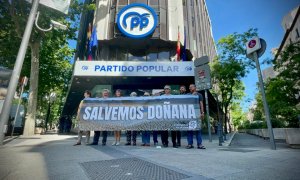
{"x": 146, "y": 137}
{"x": 190, "y": 137}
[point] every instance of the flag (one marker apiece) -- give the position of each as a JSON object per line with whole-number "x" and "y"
{"x": 178, "y": 46}
{"x": 92, "y": 43}
{"x": 183, "y": 55}
{"x": 94, "y": 39}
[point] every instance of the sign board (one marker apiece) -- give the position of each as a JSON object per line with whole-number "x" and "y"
{"x": 59, "y": 5}
{"x": 137, "y": 20}
{"x": 260, "y": 52}
{"x": 173, "y": 112}
{"x": 127, "y": 68}
{"x": 202, "y": 77}
{"x": 253, "y": 45}
{"x": 201, "y": 61}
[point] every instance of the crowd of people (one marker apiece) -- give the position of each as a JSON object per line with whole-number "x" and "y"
{"x": 131, "y": 135}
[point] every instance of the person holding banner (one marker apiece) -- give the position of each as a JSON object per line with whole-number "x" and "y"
{"x": 105, "y": 94}
{"x": 133, "y": 133}
{"x": 87, "y": 94}
{"x": 117, "y": 134}
{"x": 193, "y": 91}
{"x": 146, "y": 134}
{"x": 176, "y": 135}
{"x": 165, "y": 134}
{"x": 155, "y": 133}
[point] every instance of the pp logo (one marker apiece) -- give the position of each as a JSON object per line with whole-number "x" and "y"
{"x": 137, "y": 20}
{"x": 84, "y": 68}
{"x": 188, "y": 68}
{"x": 192, "y": 125}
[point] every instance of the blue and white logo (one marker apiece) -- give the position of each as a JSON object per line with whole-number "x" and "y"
{"x": 137, "y": 20}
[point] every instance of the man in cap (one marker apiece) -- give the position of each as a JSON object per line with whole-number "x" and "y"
{"x": 133, "y": 133}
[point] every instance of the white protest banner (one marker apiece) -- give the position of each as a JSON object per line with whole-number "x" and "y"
{"x": 174, "y": 112}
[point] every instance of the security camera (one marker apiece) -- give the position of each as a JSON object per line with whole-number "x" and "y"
{"x": 58, "y": 25}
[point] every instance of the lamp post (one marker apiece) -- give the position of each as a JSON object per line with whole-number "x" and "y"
{"x": 18, "y": 65}
{"x": 51, "y": 99}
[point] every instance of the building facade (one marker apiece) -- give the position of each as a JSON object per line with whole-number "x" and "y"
{"x": 182, "y": 33}
{"x": 291, "y": 26}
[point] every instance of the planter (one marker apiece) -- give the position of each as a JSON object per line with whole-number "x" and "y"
{"x": 265, "y": 133}
{"x": 293, "y": 137}
{"x": 38, "y": 130}
{"x": 279, "y": 133}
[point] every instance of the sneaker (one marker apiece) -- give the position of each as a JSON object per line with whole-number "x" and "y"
{"x": 189, "y": 147}
{"x": 77, "y": 144}
{"x": 93, "y": 144}
{"x": 128, "y": 144}
{"x": 178, "y": 145}
{"x": 114, "y": 143}
{"x": 155, "y": 144}
{"x": 143, "y": 144}
{"x": 175, "y": 146}
{"x": 117, "y": 144}
{"x": 201, "y": 147}
{"x": 104, "y": 143}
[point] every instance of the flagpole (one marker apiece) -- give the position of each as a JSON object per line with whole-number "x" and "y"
{"x": 178, "y": 46}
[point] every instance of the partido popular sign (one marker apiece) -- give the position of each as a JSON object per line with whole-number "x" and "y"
{"x": 174, "y": 112}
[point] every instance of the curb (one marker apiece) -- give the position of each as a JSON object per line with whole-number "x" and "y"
{"x": 5, "y": 141}
{"x": 228, "y": 142}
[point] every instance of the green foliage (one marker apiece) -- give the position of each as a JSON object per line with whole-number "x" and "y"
{"x": 281, "y": 91}
{"x": 237, "y": 114}
{"x": 230, "y": 66}
{"x": 55, "y": 54}
{"x": 261, "y": 124}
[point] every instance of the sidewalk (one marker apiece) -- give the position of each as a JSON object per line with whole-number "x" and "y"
{"x": 55, "y": 157}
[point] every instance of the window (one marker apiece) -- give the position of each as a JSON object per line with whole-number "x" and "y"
{"x": 163, "y": 56}
{"x": 121, "y": 54}
{"x": 112, "y": 54}
{"x": 136, "y": 58}
{"x": 153, "y": 2}
{"x": 123, "y": 2}
{"x": 152, "y": 57}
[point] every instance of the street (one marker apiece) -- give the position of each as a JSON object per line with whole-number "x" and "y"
{"x": 53, "y": 156}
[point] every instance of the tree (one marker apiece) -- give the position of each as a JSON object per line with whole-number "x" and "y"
{"x": 230, "y": 66}
{"x": 258, "y": 112}
{"x": 53, "y": 46}
{"x": 237, "y": 114}
{"x": 282, "y": 92}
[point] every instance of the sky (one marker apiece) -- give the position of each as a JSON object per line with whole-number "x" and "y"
{"x": 229, "y": 16}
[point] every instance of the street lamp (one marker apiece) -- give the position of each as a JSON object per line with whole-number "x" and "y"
{"x": 50, "y": 99}
{"x": 17, "y": 68}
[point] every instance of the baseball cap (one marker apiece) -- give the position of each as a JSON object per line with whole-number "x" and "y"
{"x": 146, "y": 94}
{"x": 133, "y": 94}
{"x": 167, "y": 87}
